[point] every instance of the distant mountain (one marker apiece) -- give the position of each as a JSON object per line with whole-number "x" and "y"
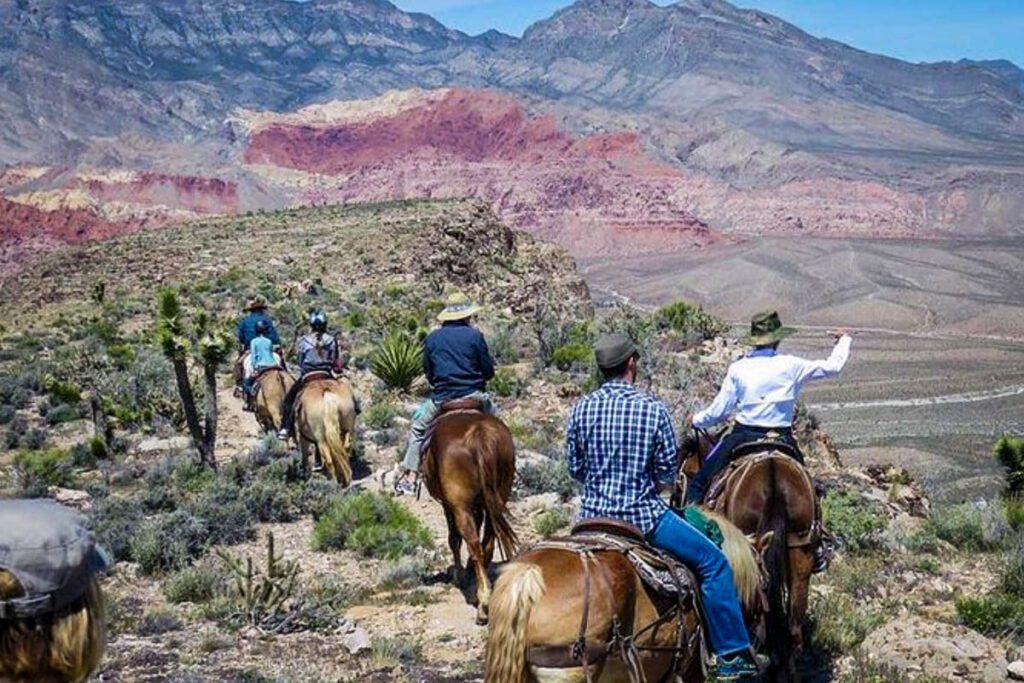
{"x": 767, "y": 128}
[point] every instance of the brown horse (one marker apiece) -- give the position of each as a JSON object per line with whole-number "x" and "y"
{"x": 469, "y": 469}
{"x": 271, "y": 387}
{"x": 539, "y": 603}
{"x": 773, "y": 494}
{"x": 325, "y": 419}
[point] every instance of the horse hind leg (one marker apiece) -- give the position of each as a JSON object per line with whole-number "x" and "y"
{"x": 467, "y": 525}
{"x": 454, "y": 543}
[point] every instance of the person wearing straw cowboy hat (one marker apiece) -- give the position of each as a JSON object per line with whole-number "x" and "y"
{"x": 458, "y": 365}
{"x": 256, "y": 316}
{"x": 760, "y": 392}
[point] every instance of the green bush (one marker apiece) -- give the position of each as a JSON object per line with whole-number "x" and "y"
{"x": 387, "y": 653}
{"x": 270, "y": 499}
{"x": 316, "y": 496}
{"x": 1009, "y": 452}
{"x": 690, "y": 321}
{"x": 550, "y": 522}
{"x": 116, "y": 521}
{"x": 62, "y": 392}
{"x": 62, "y": 413}
{"x": 169, "y": 542}
{"x": 995, "y": 615}
{"x": 1014, "y": 509}
{"x": 1011, "y": 574}
{"x": 970, "y": 527}
{"x": 197, "y": 584}
{"x": 371, "y": 524}
{"x": 398, "y": 361}
{"x": 380, "y": 415}
{"x": 547, "y": 476}
{"x": 854, "y": 519}
{"x": 839, "y": 623}
{"x": 573, "y": 356}
{"x": 505, "y": 383}
{"x": 36, "y": 470}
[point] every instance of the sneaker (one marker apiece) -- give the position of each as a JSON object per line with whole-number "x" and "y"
{"x": 404, "y": 487}
{"x": 283, "y": 435}
{"x": 740, "y": 667}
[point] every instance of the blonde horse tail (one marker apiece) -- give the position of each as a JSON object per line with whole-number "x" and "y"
{"x": 517, "y": 590}
{"x": 336, "y": 449}
{"x": 740, "y": 553}
{"x": 483, "y": 445}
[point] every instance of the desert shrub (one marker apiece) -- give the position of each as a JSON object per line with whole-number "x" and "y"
{"x": 116, "y": 520}
{"x": 158, "y": 622}
{"x": 1009, "y": 452}
{"x": 994, "y": 615}
{"x": 839, "y": 623}
{"x": 316, "y": 495}
{"x": 856, "y": 520}
{"x": 387, "y": 653}
{"x": 969, "y": 527}
{"x": 691, "y": 321}
{"x": 62, "y": 413}
{"x": 371, "y": 524}
{"x": 13, "y": 393}
{"x": 226, "y": 516}
{"x": 864, "y": 670}
{"x": 380, "y": 415}
{"x": 573, "y": 356}
{"x": 169, "y": 541}
{"x": 198, "y": 583}
{"x": 62, "y": 392}
{"x": 550, "y": 522}
{"x": 403, "y": 573}
{"x": 546, "y": 476}
{"x": 398, "y": 361}
{"x": 505, "y": 383}
{"x": 504, "y": 342}
{"x": 270, "y": 499}
{"x": 1011, "y": 572}
{"x": 7, "y": 414}
{"x": 36, "y": 470}
{"x": 34, "y": 439}
{"x": 1013, "y": 506}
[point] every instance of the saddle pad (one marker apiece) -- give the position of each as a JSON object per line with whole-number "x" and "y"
{"x": 737, "y": 466}
{"x": 659, "y": 571}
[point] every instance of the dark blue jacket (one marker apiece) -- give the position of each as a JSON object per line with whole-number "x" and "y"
{"x": 247, "y": 329}
{"x": 456, "y": 361}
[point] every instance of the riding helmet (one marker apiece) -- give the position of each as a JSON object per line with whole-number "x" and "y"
{"x": 318, "y": 320}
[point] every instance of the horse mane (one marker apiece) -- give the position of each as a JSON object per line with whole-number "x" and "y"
{"x": 740, "y": 552}
{"x": 64, "y": 646}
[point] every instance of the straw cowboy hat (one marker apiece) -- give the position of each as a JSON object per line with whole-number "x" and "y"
{"x": 766, "y": 328}
{"x": 257, "y": 303}
{"x": 458, "y": 307}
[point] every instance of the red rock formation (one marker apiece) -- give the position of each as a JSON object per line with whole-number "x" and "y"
{"x": 186, "y": 193}
{"x": 594, "y": 194}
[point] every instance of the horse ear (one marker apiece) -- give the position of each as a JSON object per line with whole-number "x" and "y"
{"x": 763, "y": 542}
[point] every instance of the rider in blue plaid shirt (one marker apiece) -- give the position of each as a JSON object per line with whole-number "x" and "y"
{"x": 621, "y": 446}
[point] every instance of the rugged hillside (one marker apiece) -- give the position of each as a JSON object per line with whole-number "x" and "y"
{"x": 770, "y": 129}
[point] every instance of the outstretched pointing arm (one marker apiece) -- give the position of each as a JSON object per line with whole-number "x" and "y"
{"x": 831, "y": 366}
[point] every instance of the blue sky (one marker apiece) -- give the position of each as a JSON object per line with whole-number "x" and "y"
{"x": 915, "y": 30}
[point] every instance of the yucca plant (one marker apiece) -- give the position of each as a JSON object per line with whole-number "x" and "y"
{"x": 398, "y": 360}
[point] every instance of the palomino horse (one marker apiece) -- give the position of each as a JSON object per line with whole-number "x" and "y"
{"x": 774, "y": 493}
{"x": 271, "y": 387}
{"x": 539, "y": 606}
{"x": 325, "y": 418}
{"x": 469, "y": 468}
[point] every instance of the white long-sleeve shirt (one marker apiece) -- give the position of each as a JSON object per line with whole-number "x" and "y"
{"x": 762, "y": 387}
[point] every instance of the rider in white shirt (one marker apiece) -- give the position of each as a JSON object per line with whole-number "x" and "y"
{"x": 760, "y": 391}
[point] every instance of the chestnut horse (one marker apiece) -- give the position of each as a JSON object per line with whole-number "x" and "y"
{"x": 774, "y": 494}
{"x": 539, "y": 603}
{"x": 469, "y": 468}
{"x": 325, "y": 419}
{"x": 271, "y": 387}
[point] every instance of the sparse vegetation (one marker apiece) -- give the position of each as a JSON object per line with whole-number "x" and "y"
{"x": 691, "y": 321}
{"x": 969, "y": 527}
{"x": 853, "y": 519}
{"x": 1009, "y": 452}
{"x": 550, "y": 522}
{"x": 547, "y": 476}
{"x": 37, "y": 470}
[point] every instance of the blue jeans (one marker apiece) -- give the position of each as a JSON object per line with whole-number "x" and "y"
{"x": 726, "y": 628}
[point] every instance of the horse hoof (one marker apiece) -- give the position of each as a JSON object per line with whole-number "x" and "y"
{"x": 481, "y": 618}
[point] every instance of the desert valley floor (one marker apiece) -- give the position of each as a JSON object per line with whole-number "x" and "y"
{"x": 938, "y": 367}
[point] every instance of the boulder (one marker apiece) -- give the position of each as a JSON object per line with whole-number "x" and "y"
{"x": 1016, "y": 670}
{"x": 356, "y": 641}
{"x": 934, "y": 649}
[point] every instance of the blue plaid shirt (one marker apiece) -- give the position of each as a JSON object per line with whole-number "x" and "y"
{"x": 619, "y": 442}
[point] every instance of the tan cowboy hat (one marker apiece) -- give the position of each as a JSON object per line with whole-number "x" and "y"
{"x": 256, "y": 303}
{"x": 766, "y": 328}
{"x": 458, "y": 307}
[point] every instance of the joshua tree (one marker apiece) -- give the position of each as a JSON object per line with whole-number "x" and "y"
{"x": 206, "y": 347}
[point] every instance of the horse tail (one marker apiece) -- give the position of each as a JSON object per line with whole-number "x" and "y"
{"x": 517, "y": 590}
{"x": 336, "y": 449}
{"x": 484, "y": 447}
{"x": 739, "y": 551}
{"x": 777, "y": 565}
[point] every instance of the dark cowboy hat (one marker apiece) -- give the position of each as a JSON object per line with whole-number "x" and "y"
{"x": 257, "y": 303}
{"x": 766, "y": 328}
{"x": 612, "y": 350}
{"x": 49, "y": 551}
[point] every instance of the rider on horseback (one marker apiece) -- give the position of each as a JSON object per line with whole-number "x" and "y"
{"x": 261, "y": 357}
{"x": 457, "y": 363}
{"x": 621, "y": 446}
{"x": 318, "y": 352}
{"x": 256, "y": 311}
{"x": 762, "y": 389}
